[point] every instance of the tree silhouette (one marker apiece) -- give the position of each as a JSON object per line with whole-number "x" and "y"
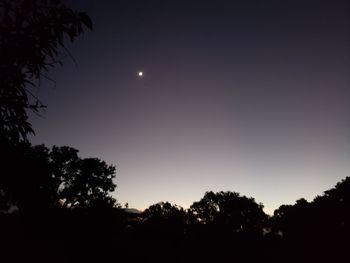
{"x": 316, "y": 230}
{"x": 230, "y": 210}
{"x": 165, "y": 220}
{"x": 39, "y": 178}
{"x": 331, "y": 212}
{"x": 32, "y": 33}
{"x": 291, "y": 220}
{"x": 163, "y": 210}
{"x": 330, "y": 209}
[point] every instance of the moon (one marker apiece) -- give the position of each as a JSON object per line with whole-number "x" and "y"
{"x": 140, "y": 73}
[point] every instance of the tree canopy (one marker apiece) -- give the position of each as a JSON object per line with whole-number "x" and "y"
{"x": 238, "y": 213}
{"x": 42, "y": 178}
{"x": 164, "y": 219}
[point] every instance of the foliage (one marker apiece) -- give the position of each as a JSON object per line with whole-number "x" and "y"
{"x": 237, "y": 213}
{"x": 163, "y": 210}
{"x": 308, "y": 218}
{"x": 314, "y": 231}
{"x": 32, "y": 34}
{"x": 83, "y": 182}
{"x": 164, "y": 218}
{"x": 38, "y": 177}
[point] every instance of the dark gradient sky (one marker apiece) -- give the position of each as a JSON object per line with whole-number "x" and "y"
{"x": 247, "y": 96}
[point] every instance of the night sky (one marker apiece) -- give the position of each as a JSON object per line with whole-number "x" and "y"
{"x": 246, "y": 96}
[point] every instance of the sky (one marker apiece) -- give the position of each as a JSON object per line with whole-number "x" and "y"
{"x": 245, "y": 96}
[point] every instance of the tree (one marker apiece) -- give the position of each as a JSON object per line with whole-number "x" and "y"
{"x": 87, "y": 184}
{"x": 316, "y": 230}
{"x": 230, "y": 211}
{"x": 163, "y": 211}
{"x": 325, "y": 214}
{"x": 165, "y": 220}
{"x": 40, "y": 178}
{"x": 32, "y": 33}
{"x": 292, "y": 219}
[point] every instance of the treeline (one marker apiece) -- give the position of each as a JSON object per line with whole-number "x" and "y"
{"x": 52, "y": 198}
